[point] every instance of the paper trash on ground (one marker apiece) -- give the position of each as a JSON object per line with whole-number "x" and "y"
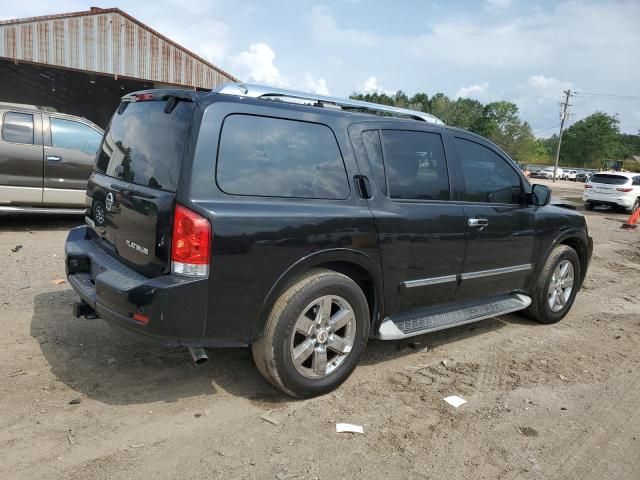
{"x": 348, "y": 427}
{"x": 455, "y": 401}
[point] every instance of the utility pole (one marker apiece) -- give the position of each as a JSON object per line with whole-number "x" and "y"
{"x": 563, "y": 117}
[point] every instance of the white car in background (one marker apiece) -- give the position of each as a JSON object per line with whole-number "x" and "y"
{"x": 570, "y": 175}
{"x": 615, "y": 189}
{"x": 547, "y": 173}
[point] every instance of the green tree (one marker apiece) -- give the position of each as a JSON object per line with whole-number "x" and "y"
{"x": 592, "y": 140}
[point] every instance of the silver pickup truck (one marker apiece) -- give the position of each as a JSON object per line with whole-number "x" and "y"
{"x": 46, "y": 158}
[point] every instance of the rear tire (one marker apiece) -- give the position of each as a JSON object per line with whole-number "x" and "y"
{"x": 301, "y": 350}
{"x": 554, "y": 279}
{"x": 588, "y": 206}
{"x": 634, "y": 207}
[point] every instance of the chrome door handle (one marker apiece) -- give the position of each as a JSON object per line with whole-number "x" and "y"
{"x": 478, "y": 222}
{"x": 53, "y": 159}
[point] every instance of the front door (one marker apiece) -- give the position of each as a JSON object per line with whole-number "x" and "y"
{"x": 421, "y": 232}
{"x": 500, "y": 223}
{"x": 70, "y": 152}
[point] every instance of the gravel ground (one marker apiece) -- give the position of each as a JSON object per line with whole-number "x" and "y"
{"x": 79, "y": 401}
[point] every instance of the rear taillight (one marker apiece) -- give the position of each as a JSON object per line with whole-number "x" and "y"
{"x": 588, "y": 186}
{"x": 624, "y": 189}
{"x": 190, "y": 244}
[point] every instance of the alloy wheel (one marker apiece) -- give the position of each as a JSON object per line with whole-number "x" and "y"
{"x": 561, "y": 285}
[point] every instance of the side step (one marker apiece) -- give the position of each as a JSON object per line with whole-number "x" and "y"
{"x": 42, "y": 210}
{"x": 431, "y": 321}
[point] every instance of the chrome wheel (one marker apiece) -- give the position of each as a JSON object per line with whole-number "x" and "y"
{"x": 561, "y": 285}
{"x": 99, "y": 214}
{"x": 323, "y": 336}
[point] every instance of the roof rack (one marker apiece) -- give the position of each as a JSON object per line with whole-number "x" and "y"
{"x": 292, "y": 96}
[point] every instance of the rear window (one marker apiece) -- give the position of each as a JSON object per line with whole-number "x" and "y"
{"x": 144, "y": 145}
{"x": 609, "y": 179}
{"x": 275, "y": 157}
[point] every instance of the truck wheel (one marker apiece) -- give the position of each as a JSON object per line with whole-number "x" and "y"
{"x": 557, "y": 286}
{"x": 588, "y": 206}
{"x": 315, "y": 334}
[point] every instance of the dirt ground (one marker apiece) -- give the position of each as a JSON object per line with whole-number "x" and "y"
{"x": 79, "y": 401}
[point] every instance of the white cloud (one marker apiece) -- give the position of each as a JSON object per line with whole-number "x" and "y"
{"x": 257, "y": 65}
{"x": 491, "y": 4}
{"x": 472, "y": 90}
{"x": 325, "y": 30}
{"x": 370, "y": 85}
{"x": 318, "y": 86}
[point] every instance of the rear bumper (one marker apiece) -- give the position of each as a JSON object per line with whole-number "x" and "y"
{"x": 175, "y": 306}
{"x": 625, "y": 201}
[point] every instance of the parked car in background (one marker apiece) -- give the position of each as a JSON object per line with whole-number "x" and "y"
{"x": 243, "y": 217}
{"x": 547, "y": 173}
{"x": 615, "y": 189}
{"x": 570, "y": 175}
{"x": 45, "y": 158}
{"x": 583, "y": 177}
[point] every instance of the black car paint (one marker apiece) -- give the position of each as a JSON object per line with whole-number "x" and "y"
{"x": 261, "y": 244}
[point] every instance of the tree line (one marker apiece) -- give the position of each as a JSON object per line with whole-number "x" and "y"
{"x": 587, "y": 143}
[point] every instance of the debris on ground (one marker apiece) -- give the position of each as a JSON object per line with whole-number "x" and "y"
{"x": 349, "y": 428}
{"x": 58, "y": 281}
{"x": 137, "y": 445}
{"x": 563, "y": 378}
{"x": 527, "y": 431}
{"x": 75, "y": 401}
{"x": 455, "y": 401}
{"x": 272, "y": 417}
{"x": 16, "y": 248}
{"x": 19, "y": 372}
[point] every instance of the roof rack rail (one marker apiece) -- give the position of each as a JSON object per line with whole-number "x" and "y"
{"x": 266, "y": 92}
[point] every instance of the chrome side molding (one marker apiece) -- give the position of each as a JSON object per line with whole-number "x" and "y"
{"x": 496, "y": 271}
{"x": 429, "y": 281}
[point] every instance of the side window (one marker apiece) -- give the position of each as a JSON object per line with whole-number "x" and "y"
{"x": 18, "y": 128}
{"x": 488, "y": 178}
{"x": 415, "y": 164}
{"x": 371, "y": 140}
{"x": 74, "y": 136}
{"x": 275, "y": 157}
{"x": 636, "y": 180}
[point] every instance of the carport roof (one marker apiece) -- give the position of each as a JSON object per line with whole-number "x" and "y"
{"x": 17, "y": 46}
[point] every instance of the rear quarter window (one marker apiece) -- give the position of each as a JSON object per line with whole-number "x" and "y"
{"x": 18, "y": 128}
{"x": 275, "y": 157}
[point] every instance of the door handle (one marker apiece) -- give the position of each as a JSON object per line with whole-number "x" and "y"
{"x": 54, "y": 159}
{"x": 364, "y": 188}
{"x": 479, "y": 223}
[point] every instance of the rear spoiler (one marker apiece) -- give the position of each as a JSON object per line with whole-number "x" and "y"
{"x": 170, "y": 95}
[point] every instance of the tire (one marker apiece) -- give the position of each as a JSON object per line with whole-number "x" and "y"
{"x": 540, "y": 308}
{"x": 588, "y": 206}
{"x": 272, "y": 352}
{"x": 99, "y": 212}
{"x": 634, "y": 207}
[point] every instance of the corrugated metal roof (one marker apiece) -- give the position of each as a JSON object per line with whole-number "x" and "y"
{"x": 107, "y": 41}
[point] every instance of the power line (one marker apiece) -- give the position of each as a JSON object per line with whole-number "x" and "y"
{"x": 546, "y": 129}
{"x": 611, "y": 96}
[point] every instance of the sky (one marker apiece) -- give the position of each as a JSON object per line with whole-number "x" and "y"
{"x": 522, "y": 51}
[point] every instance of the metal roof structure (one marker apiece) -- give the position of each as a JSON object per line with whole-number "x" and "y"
{"x": 106, "y": 41}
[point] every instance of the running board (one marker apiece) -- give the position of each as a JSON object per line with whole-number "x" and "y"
{"x": 395, "y": 329}
{"x": 45, "y": 210}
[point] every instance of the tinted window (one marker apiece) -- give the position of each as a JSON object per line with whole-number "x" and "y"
{"x": 609, "y": 179}
{"x": 280, "y": 158}
{"x": 415, "y": 164}
{"x": 18, "y": 128}
{"x": 487, "y": 176}
{"x": 636, "y": 180}
{"x": 74, "y": 136}
{"x": 371, "y": 140}
{"x": 144, "y": 145}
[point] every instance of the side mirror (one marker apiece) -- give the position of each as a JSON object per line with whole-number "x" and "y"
{"x": 540, "y": 195}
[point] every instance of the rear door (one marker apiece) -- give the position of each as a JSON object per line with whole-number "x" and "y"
{"x": 500, "y": 223}
{"x": 422, "y": 233}
{"x": 70, "y": 148}
{"x": 132, "y": 190}
{"x": 20, "y": 157}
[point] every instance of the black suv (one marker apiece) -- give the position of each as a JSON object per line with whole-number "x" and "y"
{"x": 303, "y": 225}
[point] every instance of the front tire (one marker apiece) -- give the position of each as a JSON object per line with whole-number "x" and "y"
{"x": 315, "y": 334}
{"x": 557, "y": 286}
